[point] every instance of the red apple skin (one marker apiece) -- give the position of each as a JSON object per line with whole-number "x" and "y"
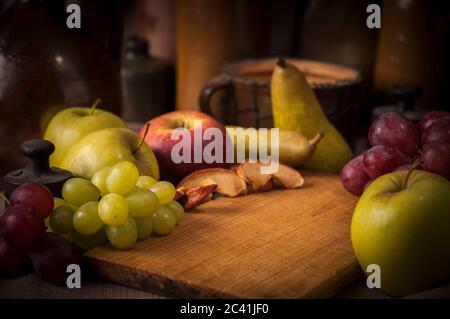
{"x": 159, "y": 140}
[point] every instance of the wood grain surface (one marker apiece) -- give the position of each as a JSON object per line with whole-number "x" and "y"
{"x": 279, "y": 244}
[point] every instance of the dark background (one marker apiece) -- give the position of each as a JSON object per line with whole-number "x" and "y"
{"x": 188, "y": 43}
{"x": 325, "y": 30}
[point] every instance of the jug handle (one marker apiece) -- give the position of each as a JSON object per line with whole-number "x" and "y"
{"x": 218, "y": 83}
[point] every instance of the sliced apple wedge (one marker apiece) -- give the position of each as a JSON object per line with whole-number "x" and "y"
{"x": 228, "y": 183}
{"x": 289, "y": 177}
{"x": 199, "y": 195}
{"x": 286, "y": 176}
{"x": 251, "y": 174}
{"x": 199, "y": 186}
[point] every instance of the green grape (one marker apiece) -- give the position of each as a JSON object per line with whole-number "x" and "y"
{"x": 67, "y": 237}
{"x": 141, "y": 202}
{"x": 61, "y": 220}
{"x": 79, "y": 191}
{"x": 47, "y": 222}
{"x": 164, "y": 190}
{"x": 144, "y": 227}
{"x": 99, "y": 179}
{"x": 113, "y": 209}
{"x": 87, "y": 242}
{"x": 164, "y": 221}
{"x": 86, "y": 220}
{"x": 177, "y": 209}
{"x": 145, "y": 181}
{"x": 122, "y": 178}
{"x": 122, "y": 236}
{"x": 58, "y": 202}
{"x": 73, "y": 207}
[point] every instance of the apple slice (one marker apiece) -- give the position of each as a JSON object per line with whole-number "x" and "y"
{"x": 198, "y": 195}
{"x": 267, "y": 187}
{"x": 198, "y": 187}
{"x": 286, "y": 176}
{"x": 228, "y": 183}
{"x": 289, "y": 177}
{"x": 251, "y": 174}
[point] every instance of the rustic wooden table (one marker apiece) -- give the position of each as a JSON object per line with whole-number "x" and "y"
{"x": 31, "y": 287}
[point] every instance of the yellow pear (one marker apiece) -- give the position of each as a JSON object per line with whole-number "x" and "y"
{"x": 294, "y": 148}
{"x": 295, "y": 107}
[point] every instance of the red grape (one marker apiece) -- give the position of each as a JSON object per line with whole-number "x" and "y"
{"x": 436, "y": 158}
{"x": 392, "y": 129}
{"x": 380, "y": 160}
{"x": 406, "y": 167}
{"x": 13, "y": 260}
{"x": 21, "y": 225}
{"x": 353, "y": 176}
{"x": 439, "y": 131}
{"x": 51, "y": 256}
{"x": 429, "y": 118}
{"x": 368, "y": 184}
{"x": 35, "y": 195}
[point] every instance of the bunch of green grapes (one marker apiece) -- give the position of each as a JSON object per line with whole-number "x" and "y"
{"x": 116, "y": 205}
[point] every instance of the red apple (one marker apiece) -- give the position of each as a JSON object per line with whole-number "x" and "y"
{"x": 159, "y": 138}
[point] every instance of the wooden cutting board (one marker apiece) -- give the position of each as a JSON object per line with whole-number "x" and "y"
{"x": 279, "y": 244}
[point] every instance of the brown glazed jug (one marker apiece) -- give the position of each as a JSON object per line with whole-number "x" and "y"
{"x": 413, "y": 50}
{"x": 209, "y": 33}
{"x": 45, "y": 66}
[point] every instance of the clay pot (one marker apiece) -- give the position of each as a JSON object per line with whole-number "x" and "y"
{"x": 245, "y": 89}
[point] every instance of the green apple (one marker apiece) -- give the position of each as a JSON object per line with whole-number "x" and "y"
{"x": 71, "y": 124}
{"x": 405, "y": 230}
{"x": 107, "y": 147}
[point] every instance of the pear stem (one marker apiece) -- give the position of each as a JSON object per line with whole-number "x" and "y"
{"x": 142, "y": 138}
{"x": 4, "y": 198}
{"x": 94, "y": 106}
{"x": 281, "y": 62}
{"x": 316, "y": 139}
{"x": 411, "y": 169}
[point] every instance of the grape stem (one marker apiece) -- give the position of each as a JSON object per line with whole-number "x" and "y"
{"x": 4, "y": 198}
{"x": 411, "y": 169}
{"x": 142, "y": 138}
{"x": 94, "y": 106}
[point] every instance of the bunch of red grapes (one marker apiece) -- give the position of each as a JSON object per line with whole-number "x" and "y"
{"x": 396, "y": 144}
{"x": 24, "y": 240}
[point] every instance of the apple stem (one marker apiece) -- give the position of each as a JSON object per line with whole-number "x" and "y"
{"x": 4, "y": 198}
{"x": 142, "y": 138}
{"x": 411, "y": 169}
{"x": 94, "y": 106}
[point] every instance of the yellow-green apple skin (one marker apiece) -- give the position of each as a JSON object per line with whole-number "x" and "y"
{"x": 71, "y": 124}
{"x": 404, "y": 231}
{"x": 107, "y": 147}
